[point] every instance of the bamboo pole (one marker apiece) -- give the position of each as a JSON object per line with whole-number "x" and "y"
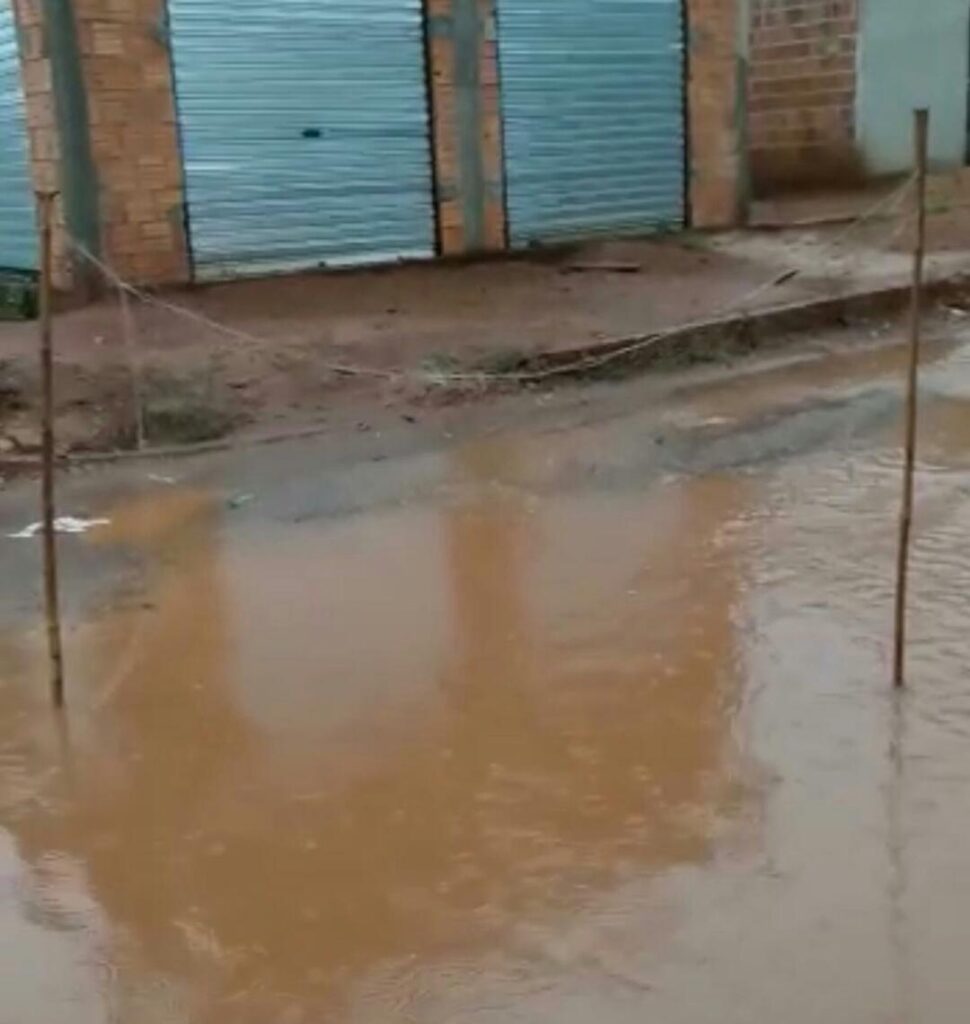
{"x": 920, "y": 137}
{"x": 133, "y": 360}
{"x": 45, "y": 204}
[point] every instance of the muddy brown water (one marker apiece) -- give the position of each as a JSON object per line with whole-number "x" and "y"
{"x": 613, "y": 751}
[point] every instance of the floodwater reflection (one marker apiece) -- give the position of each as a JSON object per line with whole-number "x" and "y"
{"x": 304, "y": 755}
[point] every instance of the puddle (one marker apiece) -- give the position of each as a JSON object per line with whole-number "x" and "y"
{"x": 512, "y": 753}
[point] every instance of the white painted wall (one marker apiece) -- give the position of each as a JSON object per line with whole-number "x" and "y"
{"x": 912, "y": 53}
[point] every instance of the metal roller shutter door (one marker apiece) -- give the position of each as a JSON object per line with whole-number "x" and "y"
{"x": 18, "y": 228}
{"x": 304, "y": 129}
{"x": 593, "y": 116}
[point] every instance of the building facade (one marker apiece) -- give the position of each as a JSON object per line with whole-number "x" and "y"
{"x": 186, "y": 145}
{"x": 832, "y": 85}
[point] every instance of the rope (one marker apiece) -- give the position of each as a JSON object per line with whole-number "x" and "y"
{"x": 348, "y": 369}
{"x": 890, "y": 202}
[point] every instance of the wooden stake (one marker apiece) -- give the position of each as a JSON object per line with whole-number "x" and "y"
{"x": 132, "y": 357}
{"x": 45, "y": 203}
{"x": 921, "y": 135}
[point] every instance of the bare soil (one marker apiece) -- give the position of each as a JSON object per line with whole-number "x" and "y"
{"x": 266, "y": 355}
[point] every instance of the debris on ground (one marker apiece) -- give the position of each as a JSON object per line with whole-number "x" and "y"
{"x": 63, "y": 524}
{"x": 603, "y": 267}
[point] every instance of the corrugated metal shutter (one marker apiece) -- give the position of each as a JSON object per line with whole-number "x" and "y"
{"x": 18, "y": 234}
{"x": 304, "y": 129}
{"x": 593, "y": 116}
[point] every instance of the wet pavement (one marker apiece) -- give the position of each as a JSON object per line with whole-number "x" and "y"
{"x": 587, "y": 721}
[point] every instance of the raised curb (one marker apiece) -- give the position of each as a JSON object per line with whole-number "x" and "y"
{"x": 741, "y": 332}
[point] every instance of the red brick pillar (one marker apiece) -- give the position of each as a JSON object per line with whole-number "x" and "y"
{"x": 134, "y": 139}
{"x": 715, "y": 93}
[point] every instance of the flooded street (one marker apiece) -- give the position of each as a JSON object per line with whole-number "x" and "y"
{"x": 585, "y": 722}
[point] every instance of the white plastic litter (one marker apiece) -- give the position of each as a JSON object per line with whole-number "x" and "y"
{"x": 63, "y": 524}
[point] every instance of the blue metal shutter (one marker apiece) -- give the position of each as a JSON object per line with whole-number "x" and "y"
{"x": 18, "y": 233}
{"x": 593, "y": 116}
{"x": 304, "y": 128}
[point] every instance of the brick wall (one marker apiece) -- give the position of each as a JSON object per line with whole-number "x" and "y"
{"x": 468, "y": 170}
{"x": 134, "y": 141}
{"x": 716, "y": 75}
{"x": 801, "y": 95}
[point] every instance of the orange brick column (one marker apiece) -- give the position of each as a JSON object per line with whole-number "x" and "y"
{"x": 715, "y": 95}
{"x": 466, "y": 130}
{"x": 134, "y": 138}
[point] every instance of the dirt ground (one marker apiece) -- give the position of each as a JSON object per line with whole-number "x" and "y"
{"x": 948, "y": 200}
{"x": 266, "y": 355}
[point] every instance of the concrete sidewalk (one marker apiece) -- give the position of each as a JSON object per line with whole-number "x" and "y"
{"x": 541, "y": 308}
{"x": 948, "y": 196}
{"x": 478, "y": 313}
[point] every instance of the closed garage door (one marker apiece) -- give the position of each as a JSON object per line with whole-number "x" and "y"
{"x": 593, "y": 116}
{"x": 304, "y": 131}
{"x": 18, "y": 236}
